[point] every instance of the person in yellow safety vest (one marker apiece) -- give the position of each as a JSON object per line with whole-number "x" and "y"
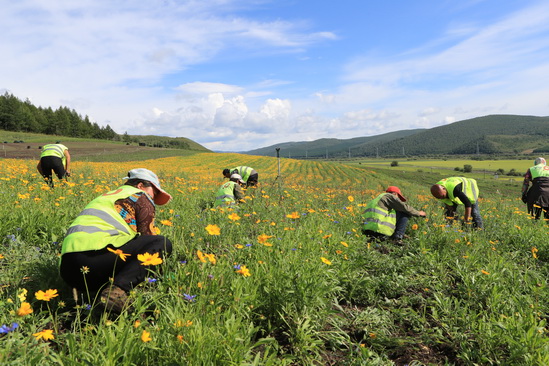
{"x": 248, "y": 174}
{"x": 56, "y": 158}
{"x": 101, "y": 248}
{"x": 455, "y": 191}
{"x": 387, "y": 216}
{"x": 537, "y": 197}
{"x": 230, "y": 193}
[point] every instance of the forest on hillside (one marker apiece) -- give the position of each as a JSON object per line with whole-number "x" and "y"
{"x": 23, "y": 116}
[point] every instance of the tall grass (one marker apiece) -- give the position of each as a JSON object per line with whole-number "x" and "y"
{"x": 317, "y": 291}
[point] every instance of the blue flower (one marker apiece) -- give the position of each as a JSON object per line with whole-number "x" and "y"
{"x": 236, "y": 266}
{"x": 189, "y": 298}
{"x": 4, "y": 329}
{"x": 248, "y": 245}
{"x": 182, "y": 262}
{"x": 151, "y": 280}
{"x": 11, "y": 237}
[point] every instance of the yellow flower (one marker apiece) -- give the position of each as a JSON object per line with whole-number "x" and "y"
{"x": 46, "y": 334}
{"x": 415, "y": 226}
{"x": 146, "y": 336}
{"x": 485, "y": 272}
{"x": 211, "y": 258}
{"x": 148, "y": 259}
{"x": 201, "y": 256}
{"x": 119, "y": 253}
{"x": 263, "y": 238}
{"x": 244, "y": 271}
{"x": 327, "y": 261}
{"x": 213, "y": 230}
{"x": 327, "y": 236}
{"x": 180, "y": 338}
{"x": 25, "y": 309}
{"x": 234, "y": 216}
{"x": 136, "y": 324}
{"x": 22, "y": 296}
{"x": 166, "y": 223}
{"x": 351, "y": 198}
{"x": 1, "y": 256}
{"x": 46, "y": 296}
{"x": 534, "y": 251}
{"x": 344, "y": 244}
{"x": 239, "y": 246}
{"x": 293, "y": 215}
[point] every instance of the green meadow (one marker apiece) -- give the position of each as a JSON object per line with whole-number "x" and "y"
{"x": 287, "y": 278}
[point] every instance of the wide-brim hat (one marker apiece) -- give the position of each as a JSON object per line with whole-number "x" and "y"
{"x": 162, "y": 197}
{"x": 393, "y": 189}
{"x": 237, "y": 177}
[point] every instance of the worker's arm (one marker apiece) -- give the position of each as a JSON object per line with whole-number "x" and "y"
{"x": 67, "y": 161}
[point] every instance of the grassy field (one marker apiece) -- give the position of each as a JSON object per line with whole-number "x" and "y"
{"x": 285, "y": 279}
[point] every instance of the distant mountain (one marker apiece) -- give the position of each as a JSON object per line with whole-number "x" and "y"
{"x": 330, "y": 147}
{"x": 493, "y": 134}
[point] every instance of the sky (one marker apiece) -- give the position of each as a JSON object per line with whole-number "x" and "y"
{"x": 236, "y": 75}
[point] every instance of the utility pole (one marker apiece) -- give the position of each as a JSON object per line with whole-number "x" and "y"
{"x": 377, "y": 153}
{"x": 278, "y": 157}
{"x": 349, "y": 153}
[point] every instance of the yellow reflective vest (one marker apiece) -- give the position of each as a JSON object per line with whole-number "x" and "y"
{"x": 99, "y": 224}
{"x": 244, "y": 171}
{"x": 540, "y": 170}
{"x": 379, "y": 219}
{"x": 469, "y": 187}
{"x": 57, "y": 150}
{"x": 225, "y": 194}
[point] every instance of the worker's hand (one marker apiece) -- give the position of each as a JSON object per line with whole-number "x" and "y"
{"x": 422, "y": 214}
{"x": 68, "y": 174}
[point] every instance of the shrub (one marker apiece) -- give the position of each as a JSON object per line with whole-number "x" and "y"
{"x": 394, "y": 163}
{"x": 467, "y": 168}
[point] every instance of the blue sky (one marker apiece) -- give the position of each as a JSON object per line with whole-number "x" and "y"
{"x": 239, "y": 75}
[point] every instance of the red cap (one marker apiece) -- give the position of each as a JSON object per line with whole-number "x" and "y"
{"x": 393, "y": 189}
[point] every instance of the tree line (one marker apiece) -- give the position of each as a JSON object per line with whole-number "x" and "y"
{"x": 23, "y": 116}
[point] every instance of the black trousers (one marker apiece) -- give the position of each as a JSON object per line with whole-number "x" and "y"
{"x": 103, "y": 264}
{"x": 49, "y": 164}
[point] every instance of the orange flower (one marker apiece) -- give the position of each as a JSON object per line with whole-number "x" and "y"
{"x": 166, "y": 223}
{"x": 293, "y": 215}
{"x": 180, "y": 338}
{"x": 234, "y": 217}
{"x": 25, "y": 309}
{"x": 244, "y": 271}
{"x": 146, "y": 336}
{"x": 213, "y": 230}
{"x": 148, "y": 259}
{"x": 46, "y": 334}
{"x": 119, "y": 253}
{"x": 263, "y": 238}
{"x": 485, "y": 272}
{"x": 415, "y": 226}
{"x": 46, "y": 296}
{"x": 201, "y": 256}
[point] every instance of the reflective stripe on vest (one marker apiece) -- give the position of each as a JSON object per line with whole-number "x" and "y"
{"x": 540, "y": 170}
{"x": 99, "y": 224}
{"x": 244, "y": 172}
{"x": 225, "y": 194}
{"x": 469, "y": 187}
{"x": 378, "y": 219}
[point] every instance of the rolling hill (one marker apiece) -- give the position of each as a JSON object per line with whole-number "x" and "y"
{"x": 493, "y": 134}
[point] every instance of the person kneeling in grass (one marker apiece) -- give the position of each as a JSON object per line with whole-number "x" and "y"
{"x": 100, "y": 250}
{"x": 387, "y": 216}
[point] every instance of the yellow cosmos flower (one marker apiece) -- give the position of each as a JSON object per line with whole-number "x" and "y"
{"x": 351, "y": 199}
{"x": 415, "y": 226}
{"x": 146, "y": 336}
{"x": 1, "y": 256}
{"x": 344, "y": 244}
{"x": 263, "y": 238}
{"x": 46, "y": 334}
{"x": 211, "y": 258}
{"x": 201, "y": 256}
{"x": 326, "y": 261}
{"x": 213, "y": 230}
{"x": 166, "y": 223}
{"x": 534, "y": 251}
{"x": 119, "y": 253}
{"x": 25, "y": 309}
{"x": 148, "y": 259}
{"x": 244, "y": 271}
{"x": 46, "y": 296}
{"x": 293, "y": 215}
{"x": 234, "y": 217}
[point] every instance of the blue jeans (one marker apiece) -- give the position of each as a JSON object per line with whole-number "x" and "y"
{"x": 401, "y": 224}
